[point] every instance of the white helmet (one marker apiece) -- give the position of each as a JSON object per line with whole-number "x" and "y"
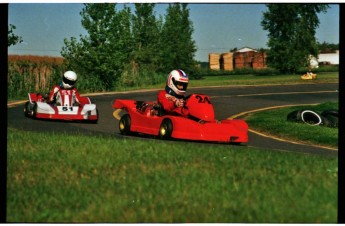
{"x": 178, "y": 81}
{"x": 69, "y": 78}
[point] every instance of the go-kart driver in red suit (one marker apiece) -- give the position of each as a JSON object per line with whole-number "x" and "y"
{"x": 171, "y": 98}
{"x": 66, "y": 89}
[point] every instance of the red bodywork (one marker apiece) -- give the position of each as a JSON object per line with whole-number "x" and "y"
{"x": 200, "y": 125}
{"x": 38, "y": 107}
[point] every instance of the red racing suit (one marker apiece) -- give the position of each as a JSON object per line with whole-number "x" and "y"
{"x": 170, "y": 103}
{"x": 64, "y": 96}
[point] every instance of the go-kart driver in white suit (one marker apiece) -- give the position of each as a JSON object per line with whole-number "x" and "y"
{"x": 68, "y": 94}
{"x": 171, "y": 98}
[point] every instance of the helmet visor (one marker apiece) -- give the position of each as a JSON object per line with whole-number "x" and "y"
{"x": 69, "y": 82}
{"x": 180, "y": 85}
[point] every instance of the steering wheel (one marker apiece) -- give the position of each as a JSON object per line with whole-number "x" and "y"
{"x": 187, "y": 97}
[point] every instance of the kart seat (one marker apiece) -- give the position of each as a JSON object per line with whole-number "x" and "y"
{"x": 159, "y": 108}
{"x": 141, "y": 106}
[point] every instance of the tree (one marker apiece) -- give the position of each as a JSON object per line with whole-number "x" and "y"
{"x": 120, "y": 47}
{"x": 291, "y": 35}
{"x": 99, "y": 57}
{"x": 178, "y": 47}
{"x": 12, "y": 38}
{"x": 146, "y": 36}
{"x": 326, "y": 47}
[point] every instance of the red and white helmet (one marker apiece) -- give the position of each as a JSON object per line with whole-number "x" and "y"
{"x": 69, "y": 79}
{"x": 178, "y": 81}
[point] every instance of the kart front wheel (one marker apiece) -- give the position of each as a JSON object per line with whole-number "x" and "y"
{"x": 125, "y": 124}
{"x": 30, "y": 109}
{"x": 26, "y": 109}
{"x": 165, "y": 130}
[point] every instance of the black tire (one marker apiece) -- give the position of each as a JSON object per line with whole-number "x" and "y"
{"x": 311, "y": 117}
{"x": 27, "y": 109}
{"x": 96, "y": 121}
{"x": 294, "y": 116}
{"x": 125, "y": 125}
{"x": 332, "y": 116}
{"x": 334, "y": 113}
{"x": 30, "y": 109}
{"x": 326, "y": 122}
{"x": 34, "y": 110}
{"x": 165, "y": 130}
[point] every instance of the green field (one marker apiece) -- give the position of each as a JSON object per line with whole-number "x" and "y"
{"x": 324, "y": 77}
{"x": 60, "y": 178}
{"x": 53, "y": 177}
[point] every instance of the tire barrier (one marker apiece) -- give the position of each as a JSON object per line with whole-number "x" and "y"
{"x": 328, "y": 118}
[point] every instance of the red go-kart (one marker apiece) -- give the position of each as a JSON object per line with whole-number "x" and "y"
{"x": 149, "y": 118}
{"x": 65, "y": 108}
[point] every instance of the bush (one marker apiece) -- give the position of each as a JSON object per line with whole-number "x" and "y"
{"x": 130, "y": 78}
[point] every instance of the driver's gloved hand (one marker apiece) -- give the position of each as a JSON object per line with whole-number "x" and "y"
{"x": 179, "y": 102}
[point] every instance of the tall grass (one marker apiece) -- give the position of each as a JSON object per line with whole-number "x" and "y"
{"x": 39, "y": 74}
{"x": 32, "y": 74}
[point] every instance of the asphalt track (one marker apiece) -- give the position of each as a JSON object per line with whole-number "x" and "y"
{"x": 228, "y": 101}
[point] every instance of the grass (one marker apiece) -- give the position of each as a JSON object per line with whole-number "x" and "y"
{"x": 74, "y": 178}
{"x": 262, "y": 80}
{"x": 274, "y": 122}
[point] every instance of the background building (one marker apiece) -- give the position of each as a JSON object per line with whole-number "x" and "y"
{"x": 250, "y": 58}
{"x": 329, "y": 58}
{"x": 243, "y": 58}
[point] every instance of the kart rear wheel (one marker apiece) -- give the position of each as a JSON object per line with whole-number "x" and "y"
{"x": 125, "y": 124}
{"x": 165, "y": 130}
{"x": 96, "y": 121}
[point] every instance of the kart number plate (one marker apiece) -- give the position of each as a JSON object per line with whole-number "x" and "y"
{"x": 67, "y": 110}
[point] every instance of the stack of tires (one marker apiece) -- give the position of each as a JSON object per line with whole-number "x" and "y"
{"x": 328, "y": 118}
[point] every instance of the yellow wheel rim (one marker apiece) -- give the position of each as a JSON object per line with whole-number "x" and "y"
{"x": 163, "y": 131}
{"x": 122, "y": 126}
